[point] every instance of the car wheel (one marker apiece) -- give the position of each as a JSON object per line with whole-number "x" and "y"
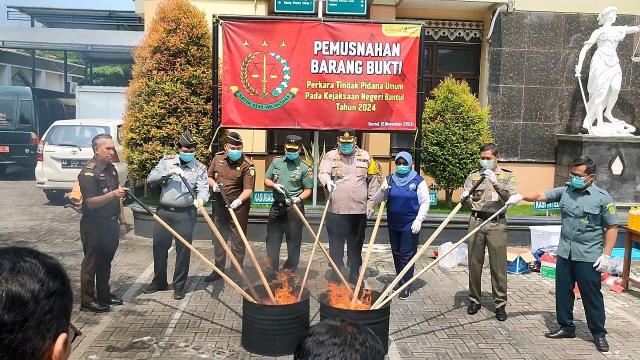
{"x": 55, "y": 197}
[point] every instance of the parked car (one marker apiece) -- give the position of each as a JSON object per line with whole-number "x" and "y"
{"x": 66, "y": 148}
{"x": 25, "y": 114}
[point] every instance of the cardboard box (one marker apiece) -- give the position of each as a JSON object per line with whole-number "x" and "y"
{"x": 544, "y": 236}
{"x": 548, "y": 265}
{"x": 518, "y": 260}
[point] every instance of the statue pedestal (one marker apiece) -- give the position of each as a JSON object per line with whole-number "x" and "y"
{"x": 617, "y": 159}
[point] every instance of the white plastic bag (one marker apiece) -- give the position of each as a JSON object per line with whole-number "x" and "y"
{"x": 463, "y": 254}
{"x": 450, "y": 261}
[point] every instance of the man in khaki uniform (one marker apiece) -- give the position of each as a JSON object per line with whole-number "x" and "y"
{"x": 352, "y": 178}
{"x": 491, "y": 195}
{"x": 232, "y": 169}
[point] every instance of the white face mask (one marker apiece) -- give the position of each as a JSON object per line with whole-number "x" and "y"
{"x": 487, "y": 164}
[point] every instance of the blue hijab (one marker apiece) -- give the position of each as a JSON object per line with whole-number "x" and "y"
{"x": 402, "y": 180}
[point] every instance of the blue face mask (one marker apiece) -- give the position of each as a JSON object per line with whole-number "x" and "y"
{"x": 234, "y": 154}
{"x": 487, "y": 164}
{"x": 403, "y": 169}
{"x": 346, "y": 148}
{"x": 577, "y": 182}
{"x": 187, "y": 157}
{"x": 291, "y": 155}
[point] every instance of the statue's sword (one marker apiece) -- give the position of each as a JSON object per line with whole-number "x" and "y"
{"x": 586, "y": 106}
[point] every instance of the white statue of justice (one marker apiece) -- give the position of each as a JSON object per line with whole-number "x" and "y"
{"x": 605, "y": 76}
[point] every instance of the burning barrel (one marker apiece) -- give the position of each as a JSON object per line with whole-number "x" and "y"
{"x": 376, "y": 320}
{"x": 274, "y": 330}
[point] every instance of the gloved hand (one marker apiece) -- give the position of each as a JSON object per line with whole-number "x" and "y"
{"x": 384, "y": 186}
{"x": 464, "y": 195}
{"x": 235, "y": 204}
{"x": 370, "y": 213}
{"x": 198, "y": 203}
{"x": 491, "y": 176}
{"x": 293, "y": 200}
{"x": 514, "y": 199}
{"x": 416, "y": 226}
{"x": 215, "y": 188}
{"x": 279, "y": 188}
{"x": 176, "y": 171}
{"x": 331, "y": 186}
{"x": 603, "y": 262}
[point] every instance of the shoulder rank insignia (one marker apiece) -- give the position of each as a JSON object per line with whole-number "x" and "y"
{"x": 252, "y": 171}
{"x": 91, "y": 165}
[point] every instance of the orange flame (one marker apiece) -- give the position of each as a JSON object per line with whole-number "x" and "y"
{"x": 285, "y": 294}
{"x": 340, "y": 297}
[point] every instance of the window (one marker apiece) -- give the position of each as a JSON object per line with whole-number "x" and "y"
{"x": 456, "y": 60}
{"x": 26, "y": 113}
{"x": 402, "y": 141}
{"x": 74, "y": 135}
{"x": 7, "y": 112}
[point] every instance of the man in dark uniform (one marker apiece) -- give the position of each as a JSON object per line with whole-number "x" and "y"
{"x": 101, "y": 224}
{"x": 178, "y": 209}
{"x": 232, "y": 169}
{"x": 287, "y": 174}
{"x": 589, "y": 232}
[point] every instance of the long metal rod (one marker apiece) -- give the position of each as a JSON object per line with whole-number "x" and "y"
{"x": 419, "y": 106}
{"x": 294, "y": 18}
{"x": 313, "y": 249}
{"x": 363, "y": 267}
{"x": 440, "y": 257}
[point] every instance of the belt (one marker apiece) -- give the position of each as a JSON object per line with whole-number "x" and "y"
{"x": 102, "y": 218}
{"x": 485, "y": 215}
{"x": 176, "y": 208}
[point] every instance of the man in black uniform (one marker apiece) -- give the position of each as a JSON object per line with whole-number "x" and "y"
{"x": 101, "y": 224}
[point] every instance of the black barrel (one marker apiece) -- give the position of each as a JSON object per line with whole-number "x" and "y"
{"x": 376, "y": 320}
{"x": 274, "y": 330}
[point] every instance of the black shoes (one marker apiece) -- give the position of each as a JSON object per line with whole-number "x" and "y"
{"x": 95, "y": 307}
{"x": 214, "y": 276}
{"x": 601, "y": 344}
{"x": 153, "y": 287}
{"x": 562, "y": 334}
{"x": 178, "y": 295}
{"x": 404, "y": 294}
{"x": 473, "y": 308}
{"x": 114, "y": 300}
{"x": 501, "y": 313}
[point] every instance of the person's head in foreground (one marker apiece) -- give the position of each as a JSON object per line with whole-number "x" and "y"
{"x": 339, "y": 340}
{"x": 35, "y": 306}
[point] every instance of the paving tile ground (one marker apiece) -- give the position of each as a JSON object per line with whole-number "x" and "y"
{"x": 207, "y": 324}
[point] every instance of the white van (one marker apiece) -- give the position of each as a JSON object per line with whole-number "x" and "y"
{"x": 66, "y": 148}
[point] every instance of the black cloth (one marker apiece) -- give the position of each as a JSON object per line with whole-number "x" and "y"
{"x": 100, "y": 239}
{"x": 568, "y": 272}
{"x": 283, "y": 220}
{"x": 182, "y": 220}
{"x": 349, "y": 228}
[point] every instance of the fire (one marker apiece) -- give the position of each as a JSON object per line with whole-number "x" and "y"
{"x": 340, "y": 297}
{"x": 285, "y": 294}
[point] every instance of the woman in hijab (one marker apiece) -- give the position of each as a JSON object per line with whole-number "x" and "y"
{"x": 407, "y": 196}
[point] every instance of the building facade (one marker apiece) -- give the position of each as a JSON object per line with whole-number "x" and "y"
{"x": 518, "y": 56}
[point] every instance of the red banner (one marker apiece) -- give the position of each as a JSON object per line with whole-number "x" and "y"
{"x": 319, "y": 75}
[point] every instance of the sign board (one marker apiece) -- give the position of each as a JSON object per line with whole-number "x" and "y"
{"x": 295, "y": 6}
{"x": 319, "y": 75}
{"x": 433, "y": 198}
{"x": 262, "y": 197}
{"x": 543, "y": 206}
{"x": 346, "y": 7}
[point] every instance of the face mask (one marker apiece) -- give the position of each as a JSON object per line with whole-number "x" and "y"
{"x": 577, "y": 182}
{"x": 487, "y": 164}
{"x": 234, "y": 154}
{"x": 403, "y": 169}
{"x": 187, "y": 157}
{"x": 346, "y": 148}
{"x": 291, "y": 155}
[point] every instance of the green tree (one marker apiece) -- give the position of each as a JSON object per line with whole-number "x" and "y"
{"x": 170, "y": 90}
{"x": 454, "y": 127}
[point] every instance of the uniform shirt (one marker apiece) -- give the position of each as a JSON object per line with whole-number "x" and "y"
{"x": 174, "y": 192}
{"x": 95, "y": 181}
{"x": 357, "y": 179}
{"x": 295, "y": 175}
{"x": 585, "y": 214}
{"x": 404, "y": 203}
{"x": 236, "y": 176}
{"x": 487, "y": 197}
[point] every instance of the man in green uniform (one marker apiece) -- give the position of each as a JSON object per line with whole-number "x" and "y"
{"x": 290, "y": 175}
{"x": 496, "y": 188}
{"x": 588, "y": 234}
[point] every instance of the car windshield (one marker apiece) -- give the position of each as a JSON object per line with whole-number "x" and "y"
{"x": 7, "y": 112}
{"x": 74, "y": 135}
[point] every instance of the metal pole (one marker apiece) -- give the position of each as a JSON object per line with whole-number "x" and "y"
{"x": 66, "y": 72}
{"x": 316, "y": 144}
{"x": 33, "y": 59}
{"x": 419, "y": 106}
{"x": 90, "y": 73}
{"x": 215, "y": 115}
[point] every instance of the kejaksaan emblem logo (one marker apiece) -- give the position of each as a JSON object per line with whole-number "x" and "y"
{"x": 265, "y": 78}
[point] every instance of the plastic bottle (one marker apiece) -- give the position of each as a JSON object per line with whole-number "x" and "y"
{"x": 634, "y": 218}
